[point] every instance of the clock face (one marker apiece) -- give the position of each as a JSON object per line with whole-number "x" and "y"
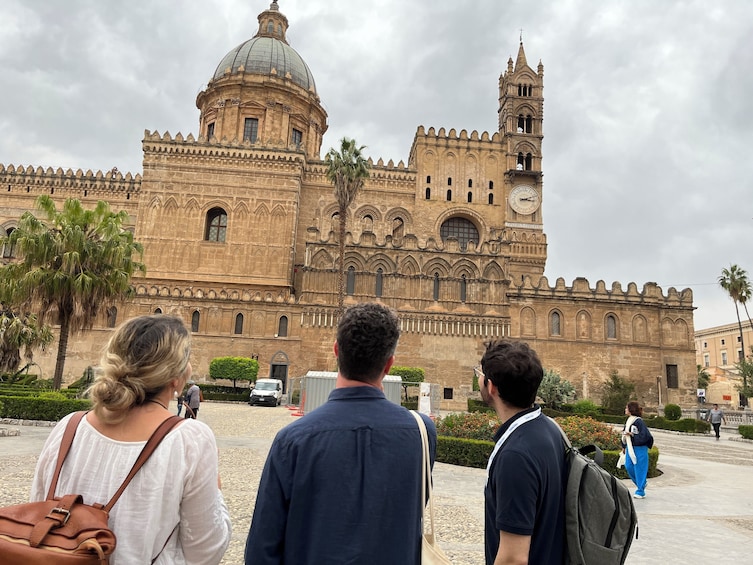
{"x": 524, "y": 199}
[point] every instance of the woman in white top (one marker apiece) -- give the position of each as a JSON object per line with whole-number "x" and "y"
{"x": 173, "y": 509}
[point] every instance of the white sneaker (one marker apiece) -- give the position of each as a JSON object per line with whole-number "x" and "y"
{"x": 636, "y": 495}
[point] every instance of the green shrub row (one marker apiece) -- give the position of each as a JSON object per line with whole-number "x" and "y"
{"x": 227, "y": 396}
{"x": 687, "y": 425}
{"x": 475, "y": 453}
{"x": 746, "y": 431}
{"x": 26, "y": 392}
{"x": 28, "y": 408}
{"x": 475, "y": 405}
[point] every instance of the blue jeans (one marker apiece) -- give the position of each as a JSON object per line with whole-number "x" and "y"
{"x": 638, "y": 471}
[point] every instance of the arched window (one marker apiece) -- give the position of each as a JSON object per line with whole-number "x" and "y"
{"x": 521, "y": 123}
{"x": 449, "y": 195}
{"x": 379, "y": 282}
{"x": 112, "y": 316}
{"x": 238, "y": 324}
{"x": 470, "y": 183}
{"x": 428, "y": 179}
{"x": 367, "y": 223}
{"x": 397, "y": 228}
{"x": 461, "y": 229}
{"x": 491, "y": 185}
{"x": 529, "y": 124}
{"x": 521, "y": 162}
{"x": 195, "y": 321}
{"x": 9, "y": 250}
{"x": 270, "y": 26}
{"x": 282, "y": 328}
{"x": 470, "y": 197}
{"x": 216, "y": 225}
{"x": 463, "y": 288}
{"x": 529, "y": 161}
{"x": 449, "y": 181}
{"x": 554, "y": 324}
{"x": 350, "y": 282}
{"x": 436, "y": 287}
{"x": 428, "y": 193}
{"x": 611, "y": 327}
{"x": 158, "y": 310}
{"x": 491, "y": 199}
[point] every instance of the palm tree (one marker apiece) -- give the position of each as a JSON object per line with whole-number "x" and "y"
{"x": 73, "y": 263}
{"x": 17, "y": 332}
{"x": 347, "y": 170}
{"x": 735, "y": 281}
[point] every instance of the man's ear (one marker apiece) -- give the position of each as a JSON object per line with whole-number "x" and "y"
{"x": 388, "y": 366}
{"x": 335, "y": 349}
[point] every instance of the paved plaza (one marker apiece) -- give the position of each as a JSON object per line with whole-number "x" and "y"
{"x": 700, "y": 508}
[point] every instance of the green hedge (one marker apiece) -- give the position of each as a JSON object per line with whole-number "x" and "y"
{"x": 746, "y": 431}
{"x": 28, "y": 408}
{"x": 688, "y": 425}
{"x": 225, "y": 393}
{"x": 475, "y": 453}
{"x": 478, "y": 406}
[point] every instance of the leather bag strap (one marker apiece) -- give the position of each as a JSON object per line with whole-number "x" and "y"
{"x": 155, "y": 439}
{"x": 426, "y": 478}
{"x": 65, "y": 447}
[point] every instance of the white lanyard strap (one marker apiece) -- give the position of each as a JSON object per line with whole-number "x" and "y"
{"x": 514, "y": 426}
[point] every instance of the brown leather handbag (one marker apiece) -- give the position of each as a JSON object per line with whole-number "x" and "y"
{"x": 64, "y": 530}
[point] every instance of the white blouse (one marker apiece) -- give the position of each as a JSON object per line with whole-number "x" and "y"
{"x": 177, "y": 486}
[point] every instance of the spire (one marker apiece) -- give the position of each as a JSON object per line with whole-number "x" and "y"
{"x": 521, "y": 60}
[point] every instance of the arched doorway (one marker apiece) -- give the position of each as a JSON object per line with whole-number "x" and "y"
{"x": 278, "y": 369}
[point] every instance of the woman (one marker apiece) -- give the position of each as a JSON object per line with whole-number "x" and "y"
{"x": 173, "y": 509}
{"x": 636, "y": 441}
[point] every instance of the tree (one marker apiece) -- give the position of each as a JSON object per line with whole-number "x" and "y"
{"x": 234, "y": 368}
{"x": 616, "y": 393}
{"x": 409, "y": 375}
{"x": 735, "y": 281}
{"x": 347, "y": 170}
{"x": 72, "y": 264}
{"x": 17, "y": 333}
{"x": 703, "y": 376}
{"x": 745, "y": 368}
{"x": 553, "y": 391}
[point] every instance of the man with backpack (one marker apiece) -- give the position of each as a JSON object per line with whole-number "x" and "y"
{"x": 527, "y": 470}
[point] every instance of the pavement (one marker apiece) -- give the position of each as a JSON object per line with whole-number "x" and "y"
{"x": 701, "y": 507}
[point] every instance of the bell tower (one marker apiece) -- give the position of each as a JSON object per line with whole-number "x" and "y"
{"x": 521, "y": 116}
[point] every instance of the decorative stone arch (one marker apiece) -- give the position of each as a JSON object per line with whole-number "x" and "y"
{"x": 527, "y": 322}
{"x": 583, "y": 325}
{"x": 461, "y": 212}
{"x": 526, "y": 147}
{"x": 192, "y": 207}
{"x": 241, "y": 210}
{"x": 465, "y": 267}
{"x": 278, "y": 368}
{"x": 155, "y": 203}
{"x": 409, "y": 266}
{"x": 640, "y": 329}
{"x": 368, "y": 210}
{"x": 382, "y": 261}
{"x": 278, "y": 212}
{"x": 261, "y": 210}
{"x": 404, "y": 215}
{"x": 493, "y": 272}
{"x": 322, "y": 260}
{"x": 356, "y": 260}
{"x": 171, "y": 205}
{"x": 437, "y": 265}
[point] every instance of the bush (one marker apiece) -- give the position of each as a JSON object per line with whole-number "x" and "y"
{"x": 690, "y": 425}
{"x": 34, "y": 408}
{"x": 553, "y": 391}
{"x": 672, "y": 412}
{"x": 585, "y": 431}
{"x": 234, "y": 369}
{"x": 411, "y": 403}
{"x": 584, "y": 408}
{"x": 746, "y": 431}
{"x": 616, "y": 393}
{"x": 477, "y": 425}
{"x": 610, "y": 464}
{"x": 465, "y": 452}
{"x": 475, "y": 405}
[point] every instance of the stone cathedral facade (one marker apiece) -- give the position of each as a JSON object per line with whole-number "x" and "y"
{"x": 239, "y": 226}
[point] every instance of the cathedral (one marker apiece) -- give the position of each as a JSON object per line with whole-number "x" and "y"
{"x": 239, "y": 228}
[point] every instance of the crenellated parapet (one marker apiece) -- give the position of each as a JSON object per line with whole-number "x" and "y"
{"x": 109, "y": 184}
{"x": 651, "y": 294}
{"x": 234, "y": 152}
{"x": 441, "y": 141}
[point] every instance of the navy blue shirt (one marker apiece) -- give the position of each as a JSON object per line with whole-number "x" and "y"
{"x": 525, "y": 494}
{"x": 342, "y": 485}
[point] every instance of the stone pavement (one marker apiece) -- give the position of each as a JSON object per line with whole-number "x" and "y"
{"x": 701, "y": 507}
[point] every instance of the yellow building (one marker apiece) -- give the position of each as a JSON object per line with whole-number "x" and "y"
{"x": 718, "y": 349}
{"x": 238, "y": 223}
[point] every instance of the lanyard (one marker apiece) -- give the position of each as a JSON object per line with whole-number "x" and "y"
{"x": 514, "y": 426}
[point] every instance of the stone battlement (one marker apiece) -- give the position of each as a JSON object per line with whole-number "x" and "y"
{"x": 30, "y": 179}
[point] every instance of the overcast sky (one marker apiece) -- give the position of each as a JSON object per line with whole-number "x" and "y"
{"x": 648, "y": 125}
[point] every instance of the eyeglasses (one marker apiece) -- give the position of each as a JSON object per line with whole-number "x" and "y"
{"x": 479, "y": 373}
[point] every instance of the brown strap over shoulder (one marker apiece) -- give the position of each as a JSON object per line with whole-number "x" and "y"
{"x": 65, "y": 447}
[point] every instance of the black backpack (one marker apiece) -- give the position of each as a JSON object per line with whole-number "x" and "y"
{"x": 600, "y": 518}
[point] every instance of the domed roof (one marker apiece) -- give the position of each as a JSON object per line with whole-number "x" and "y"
{"x": 262, "y": 55}
{"x": 268, "y": 53}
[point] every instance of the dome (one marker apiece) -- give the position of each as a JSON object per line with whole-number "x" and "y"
{"x": 263, "y": 55}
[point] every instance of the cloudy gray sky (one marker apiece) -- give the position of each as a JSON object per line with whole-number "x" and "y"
{"x": 648, "y": 125}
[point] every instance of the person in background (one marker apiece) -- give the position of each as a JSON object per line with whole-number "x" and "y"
{"x": 192, "y": 400}
{"x": 636, "y": 441}
{"x": 343, "y": 484}
{"x": 173, "y": 511}
{"x": 526, "y": 474}
{"x": 716, "y": 417}
{"x": 180, "y": 397}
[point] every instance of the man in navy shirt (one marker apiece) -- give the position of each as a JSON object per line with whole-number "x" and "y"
{"x": 343, "y": 484}
{"x": 526, "y": 474}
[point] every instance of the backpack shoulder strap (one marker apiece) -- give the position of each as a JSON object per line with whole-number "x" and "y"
{"x": 65, "y": 447}
{"x": 155, "y": 439}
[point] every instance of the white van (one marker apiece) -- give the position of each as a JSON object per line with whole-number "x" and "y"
{"x": 266, "y": 391}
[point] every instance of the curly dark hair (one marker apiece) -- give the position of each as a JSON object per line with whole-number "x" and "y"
{"x": 634, "y": 408}
{"x": 515, "y": 370}
{"x": 366, "y": 338}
